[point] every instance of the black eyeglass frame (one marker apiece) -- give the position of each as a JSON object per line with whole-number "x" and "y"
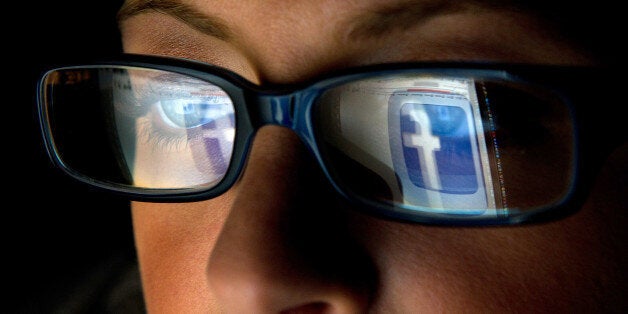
{"x": 254, "y": 107}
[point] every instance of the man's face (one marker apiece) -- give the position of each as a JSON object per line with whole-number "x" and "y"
{"x": 282, "y": 239}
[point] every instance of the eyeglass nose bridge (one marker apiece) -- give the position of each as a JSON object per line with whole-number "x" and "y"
{"x": 275, "y": 110}
{"x": 292, "y": 111}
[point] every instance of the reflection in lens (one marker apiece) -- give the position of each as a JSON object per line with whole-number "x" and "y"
{"x": 139, "y": 127}
{"x": 535, "y": 142}
{"x": 447, "y": 145}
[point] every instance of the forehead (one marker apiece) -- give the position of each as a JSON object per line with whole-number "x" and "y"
{"x": 290, "y": 40}
{"x": 371, "y": 15}
{"x": 306, "y": 20}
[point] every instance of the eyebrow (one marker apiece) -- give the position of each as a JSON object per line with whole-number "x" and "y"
{"x": 371, "y": 24}
{"x": 206, "y": 24}
{"x": 394, "y": 16}
{"x": 401, "y": 15}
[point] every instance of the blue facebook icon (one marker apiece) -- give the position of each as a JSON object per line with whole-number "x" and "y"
{"x": 437, "y": 149}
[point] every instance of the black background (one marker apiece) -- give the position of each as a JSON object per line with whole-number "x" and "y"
{"x": 53, "y": 229}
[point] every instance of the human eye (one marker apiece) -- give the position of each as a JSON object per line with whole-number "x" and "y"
{"x": 179, "y": 112}
{"x": 173, "y": 123}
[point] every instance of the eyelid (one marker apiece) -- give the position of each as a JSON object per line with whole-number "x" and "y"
{"x": 143, "y": 93}
{"x": 193, "y": 112}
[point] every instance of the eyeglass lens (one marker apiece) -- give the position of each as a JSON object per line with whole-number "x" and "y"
{"x": 446, "y": 144}
{"x": 141, "y": 128}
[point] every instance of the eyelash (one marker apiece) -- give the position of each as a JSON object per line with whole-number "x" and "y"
{"x": 153, "y": 130}
{"x": 150, "y": 127}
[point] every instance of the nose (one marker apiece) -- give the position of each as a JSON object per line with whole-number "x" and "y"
{"x": 286, "y": 246}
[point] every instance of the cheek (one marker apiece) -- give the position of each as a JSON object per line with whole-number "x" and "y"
{"x": 174, "y": 242}
{"x": 553, "y": 266}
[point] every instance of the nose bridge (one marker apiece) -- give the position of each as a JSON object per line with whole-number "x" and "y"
{"x": 271, "y": 255}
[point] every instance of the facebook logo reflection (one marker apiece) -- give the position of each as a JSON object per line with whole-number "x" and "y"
{"x": 437, "y": 149}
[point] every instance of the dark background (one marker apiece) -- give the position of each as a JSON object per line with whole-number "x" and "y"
{"x": 55, "y": 231}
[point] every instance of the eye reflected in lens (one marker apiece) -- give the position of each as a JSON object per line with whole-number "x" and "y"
{"x": 470, "y": 147}
{"x": 142, "y": 128}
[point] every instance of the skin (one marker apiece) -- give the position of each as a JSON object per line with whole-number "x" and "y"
{"x": 282, "y": 241}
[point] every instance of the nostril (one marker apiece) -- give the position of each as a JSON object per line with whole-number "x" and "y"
{"x": 310, "y": 308}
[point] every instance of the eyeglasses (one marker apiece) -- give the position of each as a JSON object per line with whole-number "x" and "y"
{"x": 451, "y": 144}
